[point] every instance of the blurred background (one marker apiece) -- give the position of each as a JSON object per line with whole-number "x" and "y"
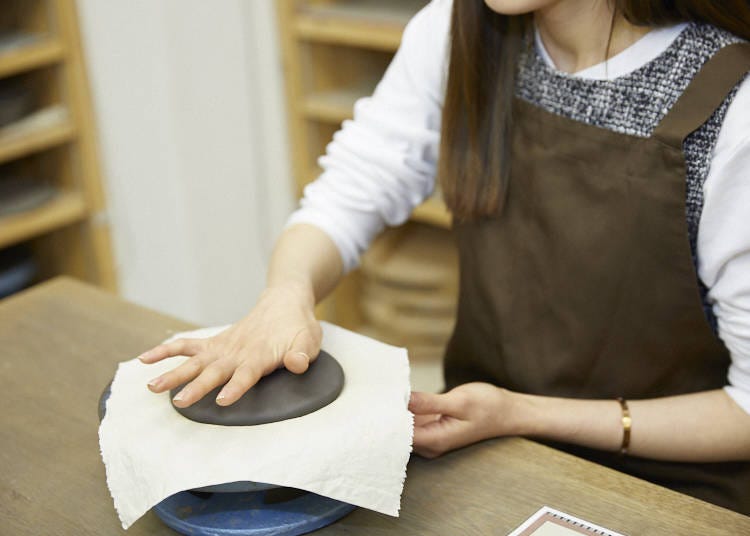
{"x": 156, "y": 149}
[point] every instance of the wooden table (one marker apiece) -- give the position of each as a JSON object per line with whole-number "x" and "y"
{"x": 60, "y": 343}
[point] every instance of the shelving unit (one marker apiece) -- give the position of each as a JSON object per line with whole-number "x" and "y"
{"x": 434, "y": 212}
{"x": 334, "y": 105}
{"x": 335, "y": 52}
{"x": 37, "y": 54}
{"x": 67, "y": 208}
{"x": 53, "y": 143}
{"x": 19, "y": 142}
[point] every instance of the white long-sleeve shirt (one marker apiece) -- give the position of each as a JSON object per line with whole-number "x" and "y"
{"x": 382, "y": 164}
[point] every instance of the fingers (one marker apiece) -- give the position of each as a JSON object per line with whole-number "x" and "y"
{"x": 243, "y": 379}
{"x": 437, "y": 436}
{"x": 186, "y": 347}
{"x": 467, "y": 414}
{"x": 437, "y": 425}
{"x": 236, "y": 359}
{"x": 429, "y": 403}
{"x": 214, "y": 375}
{"x": 422, "y": 420}
{"x": 182, "y": 374}
{"x": 304, "y": 350}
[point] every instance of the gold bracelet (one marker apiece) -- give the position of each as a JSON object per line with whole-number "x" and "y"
{"x": 627, "y": 422}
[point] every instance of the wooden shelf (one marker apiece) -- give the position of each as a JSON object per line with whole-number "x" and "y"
{"x": 45, "y": 51}
{"x": 434, "y": 212}
{"x": 19, "y": 142}
{"x": 43, "y": 46}
{"x": 313, "y": 173}
{"x": 64, "y": 209}
{"x": 332, "y": 106}
{"x": 370, "y": 24}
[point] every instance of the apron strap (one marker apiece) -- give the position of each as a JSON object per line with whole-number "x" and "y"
{"x": 704, "y": 94}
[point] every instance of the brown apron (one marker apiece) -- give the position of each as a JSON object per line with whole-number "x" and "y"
{"x": 584, "y": 286}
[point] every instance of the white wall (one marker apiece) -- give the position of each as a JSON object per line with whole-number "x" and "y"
{"x": 189, "y": 100}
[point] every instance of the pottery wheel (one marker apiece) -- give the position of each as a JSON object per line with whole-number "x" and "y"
{"x": 277, "y": 397}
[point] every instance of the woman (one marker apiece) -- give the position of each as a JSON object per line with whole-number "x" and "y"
{"x": 594, "y": 157}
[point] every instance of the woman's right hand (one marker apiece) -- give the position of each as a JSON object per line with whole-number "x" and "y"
{"x": 281, "y": 330}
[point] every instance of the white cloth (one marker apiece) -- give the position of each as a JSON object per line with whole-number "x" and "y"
{"x": 381, "y": 165}
{"x": 354, "y": 450}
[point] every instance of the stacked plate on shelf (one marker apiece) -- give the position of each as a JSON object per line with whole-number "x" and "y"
{"x": 22, "y": 194}
{"x": 410, "y": 289}
{"x": 18, "y": 193}
{"x": 17, "y": 270}
{"x": 15, "y": 101}
{"x": 11, "y": 40}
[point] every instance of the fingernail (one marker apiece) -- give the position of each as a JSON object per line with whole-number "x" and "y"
{"x": 144, "y": 355}
{"x": 303, "y": 354}
{"x": 221, "y": 397}
{"x": 154, "y": 383}
{"x": 178, "y": 397}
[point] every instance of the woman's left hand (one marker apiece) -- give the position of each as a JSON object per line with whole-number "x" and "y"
{"x": 466, "y": 414}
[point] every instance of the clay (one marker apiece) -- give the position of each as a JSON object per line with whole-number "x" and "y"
{"x": 277, "y": 397}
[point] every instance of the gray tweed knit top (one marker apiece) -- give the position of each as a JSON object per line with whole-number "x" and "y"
{"x": 635, "y": 103}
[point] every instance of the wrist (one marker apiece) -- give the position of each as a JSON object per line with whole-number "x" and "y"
{"x": 296, "y": 289}
{"x": 521, "y": 417}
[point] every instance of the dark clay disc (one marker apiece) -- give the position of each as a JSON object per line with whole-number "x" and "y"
{"x": 279, "y": 396}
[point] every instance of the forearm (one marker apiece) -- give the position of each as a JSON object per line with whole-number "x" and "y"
{"x": 699, "y": 427}
{"x": 306, "y": 258}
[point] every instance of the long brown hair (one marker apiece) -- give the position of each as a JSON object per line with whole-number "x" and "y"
{"x": 477, "y": 113}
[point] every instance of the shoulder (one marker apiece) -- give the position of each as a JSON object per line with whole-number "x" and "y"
{"x": 435, "y": 11}
{"x": 734, "y": 136}
{"x": 422, "y": 58}
{"x": 692, "y": 50}
{"x": 706, "y": 39}
{"x": 696, "y": 45}
{"x": 429, "y": 29}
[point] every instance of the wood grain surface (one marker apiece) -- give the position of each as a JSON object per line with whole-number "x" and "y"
{"x": 60, "y": 345}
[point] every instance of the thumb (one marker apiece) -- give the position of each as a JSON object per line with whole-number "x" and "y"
{"x": 429, "y": 403}
{"x": 304, "y": 350}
